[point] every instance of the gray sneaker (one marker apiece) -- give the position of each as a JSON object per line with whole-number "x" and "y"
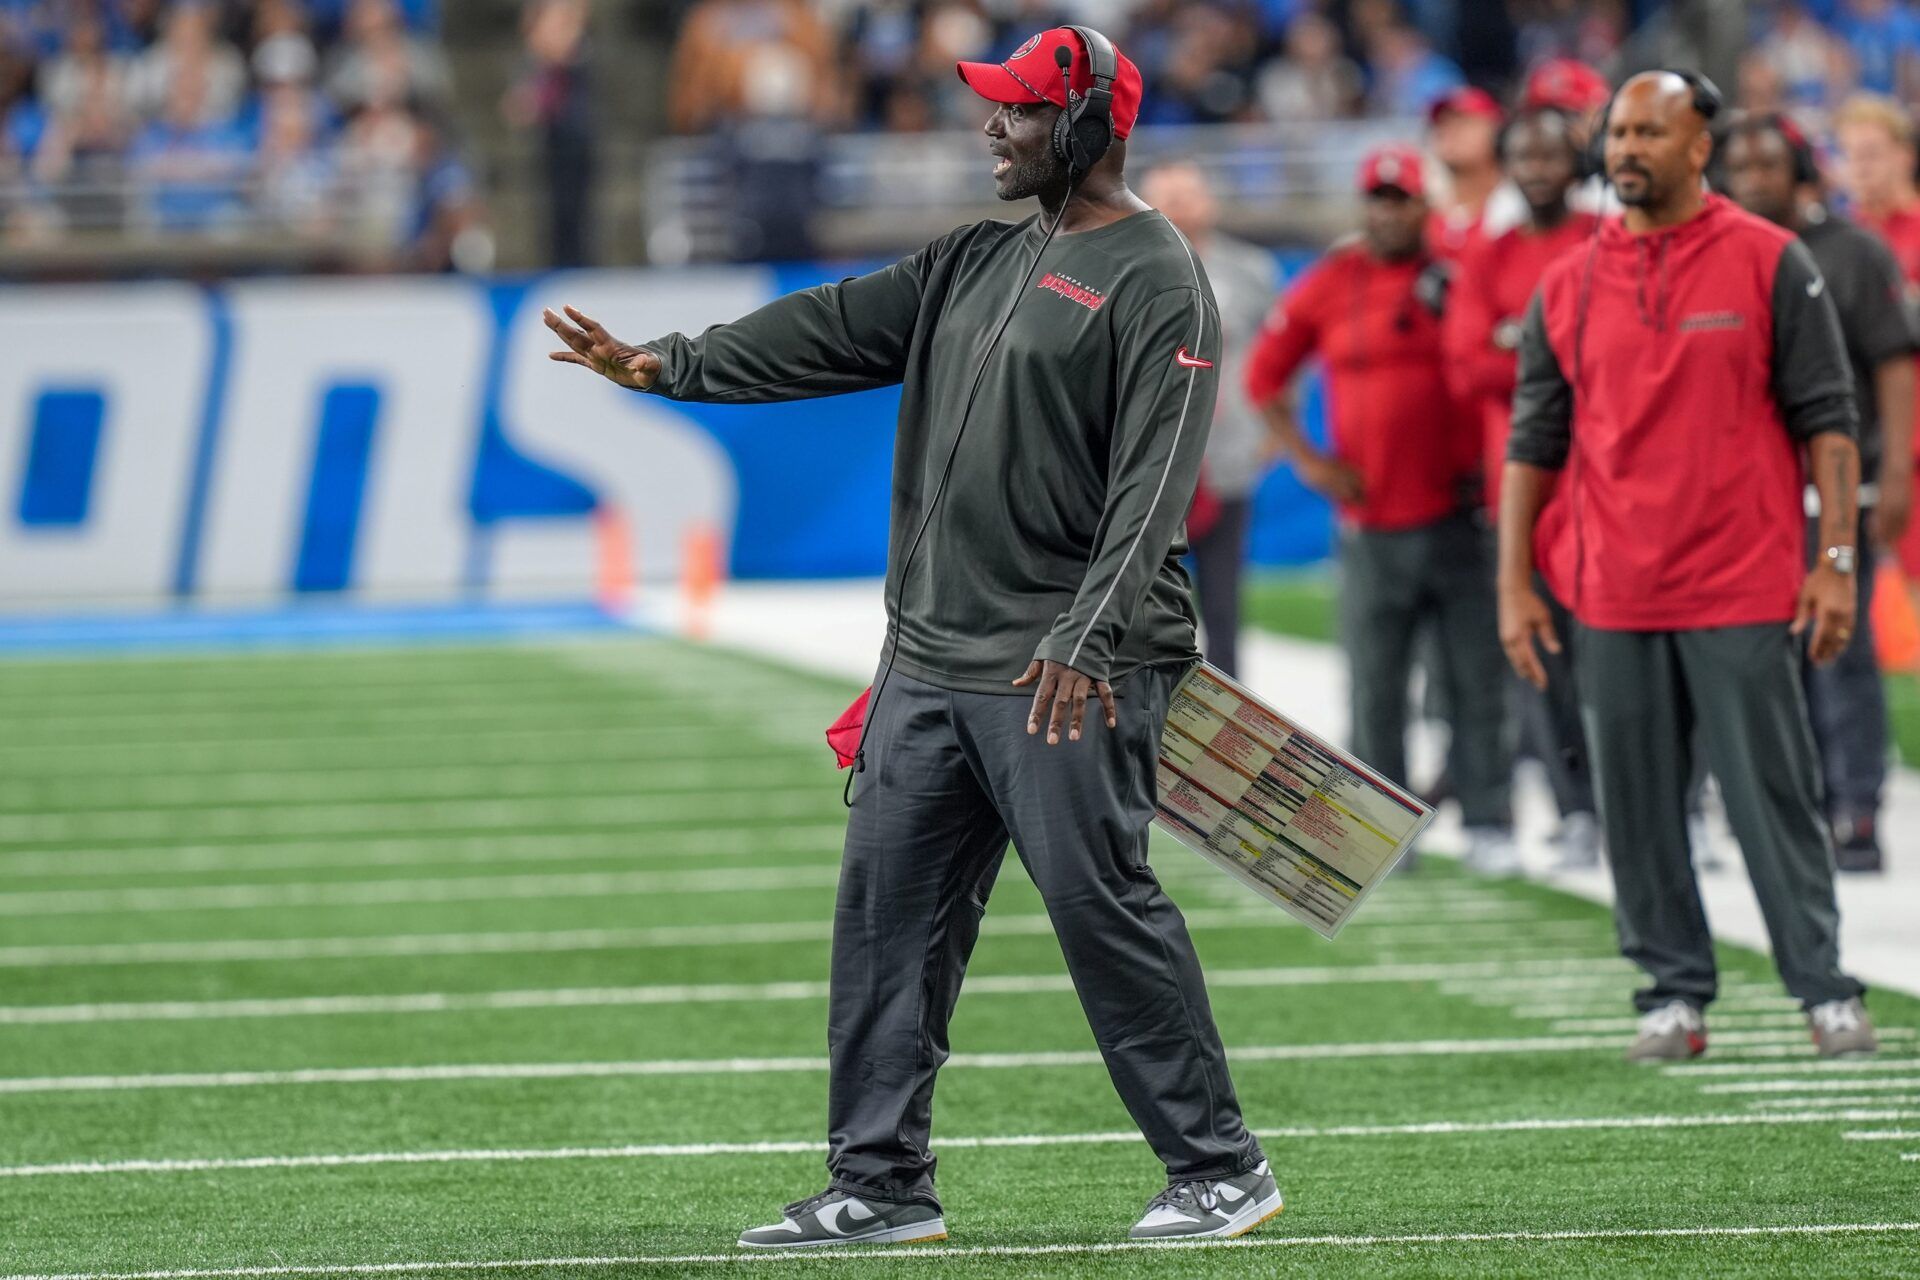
{"x": 1579, "y": 842}
{"x": 1841, "y": 1029}
{"x": 1672, "y": 1033}
{"x": 1214, "y": 1208}
{"x": 834, "y": 1217}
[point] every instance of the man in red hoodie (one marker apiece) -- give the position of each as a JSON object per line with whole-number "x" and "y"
{"x": 1682, "y": 370}
{"x": 1411, "y": 551}
{"x": 1480, "y": 336}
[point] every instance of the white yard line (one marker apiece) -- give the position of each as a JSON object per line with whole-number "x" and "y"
{"x": 420, "y": 782}
{"x": 1625, "y": 1025}
{"x": 691, "y": 1150}
{"x": 488, "y": 888}
{"x": 249, "y": 897}
{"x": 657, "y": 1067}
{"x": 745, "y": 801}
{"x": 1841, "y": 1065}
{"x": 1754, "y": 1003}
{"x": 578, "y": 743}
{"x": 939, "y": 1253}
{"x": 1882, "y": 1135}
{"x": 516, "y": 942}
{"x": 440, "y": 849}
{"x": 1835, "y": 1102}
{"x": 1813, "y": 1086}
{"x": 680, "y": 993}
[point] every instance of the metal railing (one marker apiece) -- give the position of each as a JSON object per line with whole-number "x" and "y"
{"x": 109, "y": 220}
{"x": 873, "y": 193}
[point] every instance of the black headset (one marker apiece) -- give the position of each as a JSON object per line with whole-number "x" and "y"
{"x": 1806, "y": 166}
{"x": 1083, "y": 131}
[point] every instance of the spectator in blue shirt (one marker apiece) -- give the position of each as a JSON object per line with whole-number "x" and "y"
{"x": 192, "y": 168}
{"x": 1884, "y": 38}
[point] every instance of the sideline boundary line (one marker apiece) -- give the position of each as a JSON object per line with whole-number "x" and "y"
{"x": 910, "y": 1253}
{"x": 684, "y": 1150}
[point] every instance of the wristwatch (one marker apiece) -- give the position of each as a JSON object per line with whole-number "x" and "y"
{"x": 1840, "y": 559}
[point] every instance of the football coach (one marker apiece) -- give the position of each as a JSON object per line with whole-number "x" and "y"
{"x": 1686, "y": 370}
{"x": 1057, "y": 380}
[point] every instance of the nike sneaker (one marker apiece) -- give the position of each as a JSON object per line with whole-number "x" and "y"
{"x": 834, "y": 1217}
{"x": 1674, "y": 1032}
{"x": 1213, "y": 1208}
{"x": 1841, "y": 1029}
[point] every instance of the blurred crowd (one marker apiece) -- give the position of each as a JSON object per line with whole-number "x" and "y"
{"x": 887, "y": 64}
{"x": 220, "y": 117}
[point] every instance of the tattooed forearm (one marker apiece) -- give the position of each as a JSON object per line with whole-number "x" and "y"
{"x": 1836, "y": 474}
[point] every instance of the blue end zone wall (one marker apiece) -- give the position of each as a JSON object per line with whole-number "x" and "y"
{"x": 225, "y": 469}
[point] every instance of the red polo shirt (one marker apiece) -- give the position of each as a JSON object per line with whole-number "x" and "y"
{"x": 1393, "y": 420}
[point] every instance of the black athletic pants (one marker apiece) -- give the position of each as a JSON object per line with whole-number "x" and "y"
{"x": 950, "y": 777}
{"x": 1643, "y": 695}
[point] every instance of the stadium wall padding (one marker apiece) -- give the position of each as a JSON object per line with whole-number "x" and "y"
{"x": 409, "y": 440}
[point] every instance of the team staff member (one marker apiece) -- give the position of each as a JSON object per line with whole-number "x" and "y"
{"x": 1461, "y": 127}
{"x": 1877, "y": 157}
{"x": 1408, "y": 550}
{"x": 1244, "y": 281}
{"x": 1679, "y": 368}
{"x": 1047, "y": 576}
{"x": 1480, "y": 334}
{"x": 1771, "y": 171}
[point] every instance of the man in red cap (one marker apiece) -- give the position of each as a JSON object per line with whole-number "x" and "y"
{"x": 1057, "y": 377}
{"x": 1462, "y": 126}
{"x": 1411, "y": 551}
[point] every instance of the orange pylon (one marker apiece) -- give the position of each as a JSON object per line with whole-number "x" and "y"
{"x": 1896, "y": 621}
{"x": 703, "y": 567}
{"x": 613, "y": 544}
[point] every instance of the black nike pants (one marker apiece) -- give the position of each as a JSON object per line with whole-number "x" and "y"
{"x": 1848, "y": 703}
{"x": 1391, "y": 583}
{"x": 950, "y": 777}
{"x": 1647, "y": 696}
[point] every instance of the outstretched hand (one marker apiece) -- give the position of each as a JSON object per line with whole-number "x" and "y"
{"x": 1061, "y": 698}
{"x": 592, "y": 347}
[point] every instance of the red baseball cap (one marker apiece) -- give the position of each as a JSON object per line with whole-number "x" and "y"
{"x": 1566, "y": 83}
{"x": 1466, "y": 101}
{"x": 1032, "y": 75}
{"x": 1394, "y": 166}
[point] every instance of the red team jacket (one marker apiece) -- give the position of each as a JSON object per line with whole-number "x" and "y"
{"x": 1392, "y": 418}
{"x": 1708, "y": 354}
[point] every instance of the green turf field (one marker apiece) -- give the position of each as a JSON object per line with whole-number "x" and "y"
{"x": 415, "y": 958}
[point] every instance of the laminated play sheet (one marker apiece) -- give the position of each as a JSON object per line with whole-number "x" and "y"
{"x": 1292, "y": 817}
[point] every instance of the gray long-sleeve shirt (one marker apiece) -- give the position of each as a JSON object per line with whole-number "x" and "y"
{"x": 1060, "y": 528}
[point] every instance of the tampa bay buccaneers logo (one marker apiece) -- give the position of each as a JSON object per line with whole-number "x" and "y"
{"x": 1025, "y": 49}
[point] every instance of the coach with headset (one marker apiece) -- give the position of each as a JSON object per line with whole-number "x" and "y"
{"x": 1057, "y": 380}
{"x": 1684, "y": 373}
